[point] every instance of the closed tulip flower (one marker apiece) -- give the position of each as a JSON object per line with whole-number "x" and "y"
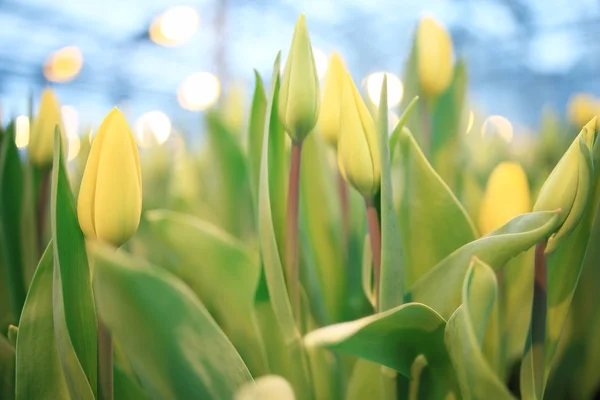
{"x": 568, "y": 188}
{"x": 506, "y": 196}
{"x": 110, "y": 198}
{"x": 41, "y": 143}
{"x": 358, "y": 147}
{"x": 299, "y": 96}
{"x": 329, "y": 116}
{"x": 434, "y": 57}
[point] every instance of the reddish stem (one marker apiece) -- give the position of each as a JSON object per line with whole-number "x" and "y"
{"x": 291, "y": 237}
{"x": 375, "y": 237}
{"x": 345, "y": 206}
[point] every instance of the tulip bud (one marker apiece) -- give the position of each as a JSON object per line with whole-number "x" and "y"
{"x": 110, "y": 197}
{"x": 434, "y": 57}
{"x": 358, "y": 146}
{"x": 568, "y": 188}
{"x": 506, "y": 196}
{"x": 41, "y": 143}
{"x": 299, "y": 95}
{"x": 581, "y": 108}
{"x": 329, "y": 116}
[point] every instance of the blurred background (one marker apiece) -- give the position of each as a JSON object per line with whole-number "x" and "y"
{"x": 166, "y": 63}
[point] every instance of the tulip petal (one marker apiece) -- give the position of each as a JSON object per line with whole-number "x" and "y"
{"x": 117, "y": 204}
{"x": 329, "y": 116}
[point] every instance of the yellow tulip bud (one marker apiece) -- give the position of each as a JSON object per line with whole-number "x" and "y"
{"x": 110, "y": 198}
{"x": 506, "y": 196}
{"x": 41, "y": 143}
{"x": 568, "y": 188}
{"x": 358, "y": 146}
{"x": 299, "y": 96}
{"x": 581, "y": 108}
{"x": 329, "y": 116}
{"x": 434, "y": 57}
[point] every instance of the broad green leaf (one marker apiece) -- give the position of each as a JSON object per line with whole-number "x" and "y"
{"x": 11, "y": 199}
{"x": 73, "y": 307}
{"x": 322, "y": 223}
{"x": 432, "y": 221}
{"x": 174, "y": 346}
{"x": 441, "y": 287}
{"x": 126, "y": 388}
{"x": 39, "y": 373}
{"x": 233, "y": 200}
{"x": 214, "y": 263}
{"x": 365, "y": 381}
{"x": 446, "y": 121}
{"x": 256, "y": 130}
{"x": 391, "y": 285}
{"x": 277, "y": 355}
{"x": 268, "y": 387}
{"x": 271, "y": 225}
{"x": 465, "y": 336}
{"x": 393, "y": 338}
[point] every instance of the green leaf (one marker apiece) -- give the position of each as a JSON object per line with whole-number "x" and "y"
{"x": 446, "y": 121}
{"x": 322, "y": 225}
{"x": 7, "y": 369}
{"x": 418, "y": 118}
{"x": 256, "y": 130}
{"x": 126, "y": 388}
{"x": 393, "y": 338}
{"x": 11, "y": 200}
{"x": 465, "y": 335}
{"x": 400, "y": 126}
{"x": 365, "y": 381}
{"x": 213, "y": 263}
{"x": 39, "y": 373}
{"x": 432, "y": 221}
{"x": 173, "y": 344}
{"x": 232, "y": 197}
{"x": 441, "y": 287}
{"x": 271, "y": 225}
{"x": 75, "y": 324}
{"x": 391, "y": 285}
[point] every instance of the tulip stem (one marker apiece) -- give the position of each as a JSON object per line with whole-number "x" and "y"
{"x": 426, "y": 128}
{"x": 538, "y": 310}
{"x": 105, "y": 363}
{"x": 42, "y": 205}
{"x": 291, "y": 238}
{"x": 375, "y": 237}
{"x": 345, "y": 206}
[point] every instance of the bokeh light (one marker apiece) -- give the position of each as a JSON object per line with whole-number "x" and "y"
{"x": 70, "y": 118}
{"x": 73, "y": 146}
{"x": 199, "y": 91}
{"x": 394, "y": 87}
{"x": 321, "y": 62}
{"x": 175, "y": 26}
{"x": 498, "y": 125}
{"x": 153, "y": 127}
{"x": 470, "y": 121}
{"x": 22, "y": 131}
{"x": 63, "y": 65}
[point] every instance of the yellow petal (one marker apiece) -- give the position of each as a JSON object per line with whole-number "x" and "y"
{"x": 434, "y": 55}
{"x": 117, "y": 204}
{"x": 506, "y": 196}
{"x": 41, "y": 143}
{"x": 329, "y": 116}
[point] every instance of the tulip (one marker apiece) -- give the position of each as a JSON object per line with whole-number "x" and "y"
{"x": 329, "y": 116}
{"x": 506, "y": 196}
{"x": 299, "y": 94}
{"x": 581, "y": 108}
{"x": 358, "y": 148}
{"x": 110, "y": 198}
{"x": 568, "y": 188}
{"x": 434, "y": 57}
{"x": 41, "y": 143}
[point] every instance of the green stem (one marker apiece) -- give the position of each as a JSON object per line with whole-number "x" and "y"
{"x": 105, "y": 363}
{"x": 375, "y": 237}
{"x": 538, "y": 315}
{"x": 292, "y": 248}
{"x": 426, "y": 128}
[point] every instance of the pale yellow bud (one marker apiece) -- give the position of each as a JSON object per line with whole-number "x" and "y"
{"x": 110, "y": 198}
{"x": 581, "y": 108}
{"x": 434, "y": 57}
{"x": 329, "y": 116}
{"x": 41, "y": 142}
{"x": 506, "y": 196}
{"x": 358, "y": 146}
{"x": 299, "y": 96}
